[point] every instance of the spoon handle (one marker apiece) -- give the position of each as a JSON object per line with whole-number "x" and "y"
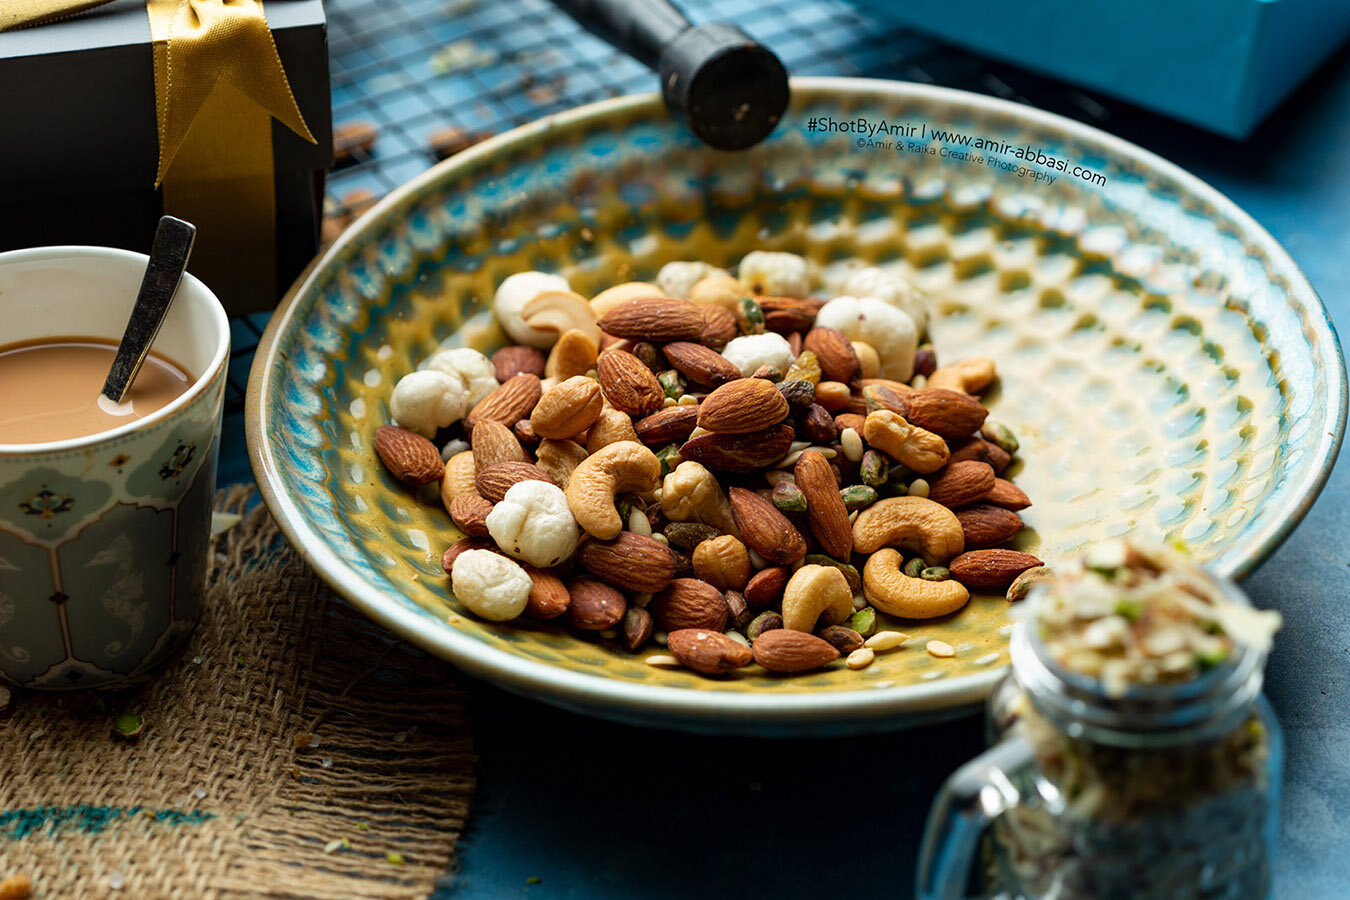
{"x": 168, "y": 259}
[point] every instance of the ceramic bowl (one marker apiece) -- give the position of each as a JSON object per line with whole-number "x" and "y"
{"x": 1170, "y": 372}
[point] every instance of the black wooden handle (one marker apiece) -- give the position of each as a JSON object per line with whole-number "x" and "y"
{"x": 731, "y": 90}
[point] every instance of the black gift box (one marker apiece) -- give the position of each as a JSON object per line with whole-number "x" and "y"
{"x": 80, "y": 147}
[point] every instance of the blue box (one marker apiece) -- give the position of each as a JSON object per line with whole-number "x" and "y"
{"x": 1220, "y": 64}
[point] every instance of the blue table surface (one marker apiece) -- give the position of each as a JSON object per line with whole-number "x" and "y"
{"x": 598, "y": 810}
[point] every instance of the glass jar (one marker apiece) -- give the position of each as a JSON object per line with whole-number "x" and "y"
{"x": 1164, "y": 792}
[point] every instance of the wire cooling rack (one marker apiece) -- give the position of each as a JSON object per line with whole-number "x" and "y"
{"x": 414, "y": 80}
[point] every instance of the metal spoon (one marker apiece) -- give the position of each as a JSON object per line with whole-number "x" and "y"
{"x": 168, "y": 259}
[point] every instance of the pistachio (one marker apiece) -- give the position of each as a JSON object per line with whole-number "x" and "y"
{"x": 858, "y": 496}
{"x": 1023, "y": 583}
{"x": 799, "y": 394}
{"x": 844, "y": 639}
{"x": 740, "y": 610}
{"x": 688, "y": 535}
{"x": 936, "y": 573}
{"x": 749, "y": 316}
{"x": 864, "y": 621}
{"x": 768, "y": 373}
{"x": 649, "y": 355}
{"x": 1001, "y": 436}
{"x": 806, "y": 368}
{"x": 850, "y": 572}
{"x": 914, "y": 568}
{"x": 788, "y": 497}
{"x": 673, "y": 383}
{"x": 669, "y": 457}
{"x": 765, "y": 621}
{"x": 874, "y": 469}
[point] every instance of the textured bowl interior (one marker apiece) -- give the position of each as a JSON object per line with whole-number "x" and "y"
{"x": 1169, "y": 371}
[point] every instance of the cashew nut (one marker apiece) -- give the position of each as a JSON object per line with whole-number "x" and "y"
{"x": 677, "y": 279}
{"x": 574, "y": 354}
{"x": 868, "y": 359}
{"x": 625, "y": 466}
{"x": 915, "y": 523}
{"x": 509, "y": 303}
{"x": 969, "y": 376}
{"x": 561, "y": 311}
{"x": 718, "y": 290}
{"x": 895, "y": 593}
{"x": 913, "y": 447}
{"x": 691, "y": 493}
{"x": 559, "y": 458}
{"x": 723, "y": 562}
{"x": 609, "y": 298}
{"x": 814, "y": 591}
{"x": 613, "y": 426}
{"x": 459, "y": 477}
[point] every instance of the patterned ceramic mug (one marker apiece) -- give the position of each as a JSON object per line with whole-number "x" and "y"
{"x": 103, "y": 538}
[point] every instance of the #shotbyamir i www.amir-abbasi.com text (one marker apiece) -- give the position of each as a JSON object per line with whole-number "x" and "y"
{"x": 1022, "y": 160}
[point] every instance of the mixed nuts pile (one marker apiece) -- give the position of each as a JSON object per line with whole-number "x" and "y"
{"x": 722, "y": 464}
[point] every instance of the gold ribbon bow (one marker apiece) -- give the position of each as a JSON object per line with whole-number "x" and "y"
{"x": 218, "y": 84}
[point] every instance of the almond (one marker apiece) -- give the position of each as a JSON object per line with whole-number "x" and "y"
{"x": 408, "y": 456}
{"x": 986, "y": 525}
{"x": 764, "y": 529}
{"x": 766, "y": 587}
{"x": 959, "y": 483}
{"x": 631, "y": 561}
{"x": 470, "y": 512}
{"x": 594, "y": 605}
{"x": 742, "y": 406}
{"x": 674, "y": 423}
{"x": 948, "y": 414}
{"x": 824, "y": 507}
{"x": 657, "y": 319}
{"x": 509, "y": 403}
{"x": 709, "y": 652}
{"x": 515, "y": 360}
{"x": 739, "y": 452}
{"x": 493, "y": 482}
{"x": 719, "y": 327}
{"x": 568, "y": 408}
{"x": 838, "y": 360}
{"x": 991, "y": 568}
{"x": 787, "y": 651}
{"x": 700, "y": 364}
{"x": 494, "y": 443}
{"x": 978, "y": 448}
{"x": 689, "y": 603}
{"x": 849, "y": 420}
{"x": 1007, "y": 495}
{"x": 628, "y": 384}
{"x": 548, "y": 595}
{"x": 785, "y": 315}
{"x": 459, "y": 546}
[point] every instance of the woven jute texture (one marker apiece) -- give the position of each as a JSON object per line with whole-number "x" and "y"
{"x": 225, "y": 794}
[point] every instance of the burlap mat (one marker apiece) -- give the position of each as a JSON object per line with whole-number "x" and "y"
{"x": 222, "y": 795}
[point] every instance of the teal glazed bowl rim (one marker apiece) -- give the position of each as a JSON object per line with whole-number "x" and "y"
{"x": 746, "y": 712}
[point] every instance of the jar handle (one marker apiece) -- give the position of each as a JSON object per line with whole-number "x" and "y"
{"x": 974, "y": 795}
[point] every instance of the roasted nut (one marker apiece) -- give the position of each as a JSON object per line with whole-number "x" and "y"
{"x": 889, "y": 330}
{"x": 817, "y": 425}
{"x": 842, "y": 638}
{"x": 493, "y": 482}
{"x": 991, "y": 568}
{"x": 691, "y": 493}
{"x": 960, "y": 483}
{"x": 948, "y": 414}
{"x": 1001, "y": 436}
{"x": 709, "y": 652}
{"x": 460, "y": 477}
{"x": 702, "y": 365}
{"x": 628, "y": 384}
{"x": 1023, "y": 583}
{"x": 719, "y": 327}
{"x": 913, "y": 447}
{"x": 838, "y": 361}
{"x": 738, "y": 609}
{"x": 631, "y": 561}
{"x": 410, "y": 457}
{"x": 814, "y": 591}
{"x": 637, "y": 627}
{"x": 825, "y": 508}
{"x": 850, "y": 573}
{"x": 739, "y": 452}
{"x": 743, "y": 405}
{"x": 674, "y": 423}
{"x": 689, "y": 603}
{"x": 765, "y": 621}
{"x": 559, "y": 459}
{"x": 969, "y": 376}
{"x": 469, "y": 513}
{"x": 511, "y": 361}
{"x": 688, "y": 535}
{"x": 786, "y": 651}
{"x": 723, "y": 562}
{"x": 764, "y": 529}
{"x": 595, "y": 605}
{"x": 1007, "y": 495}
{"x": 494, "y": 443}
{"x": 718, "y": 289}
{"x": 897, "y": 594}
{"x": 619, "y": 294}
{"x": 469, "y": 543}
{"x": 548, "y": 595}
{"x": 574, "y": 354}
{"x": 914, "y": 523}
{"x": 561, "y": 311}
{"x": 625, "y": 466}
{"x": 656, "y": 319}
{"x": 612, "y": 426}
{"x": 869, "y": 363}
{"x": 567, "y": 409}
{"x": 766, "y": 586}
{"x": 509, "y": 403}
{"x": 515, "y": 292}
{"x": 985, "y": 526}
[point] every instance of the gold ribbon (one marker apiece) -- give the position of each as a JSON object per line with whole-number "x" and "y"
{"x": 218, "y": 84}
